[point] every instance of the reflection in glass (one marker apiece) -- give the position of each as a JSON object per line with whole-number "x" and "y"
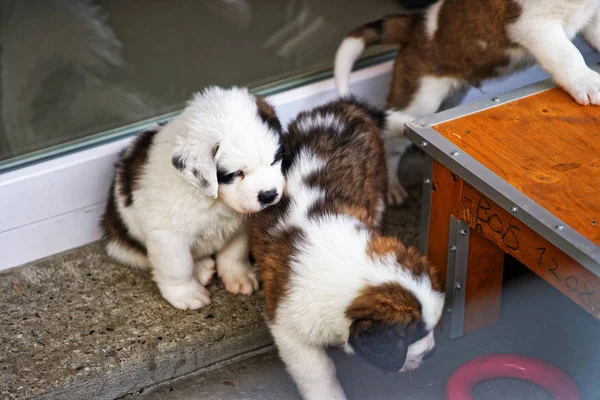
{"x": 74, "y": 68}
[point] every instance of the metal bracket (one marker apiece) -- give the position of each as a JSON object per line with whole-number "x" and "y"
{"x": 426, "y": 205}
{"x": 456, "y": 278}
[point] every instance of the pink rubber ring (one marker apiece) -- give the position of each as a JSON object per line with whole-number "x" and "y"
{"x": 547, "y": 376}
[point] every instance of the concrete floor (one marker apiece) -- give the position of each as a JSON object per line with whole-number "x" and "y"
{"x": 536, "y": 321}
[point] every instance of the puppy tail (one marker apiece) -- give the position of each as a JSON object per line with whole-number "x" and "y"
{"x": 393, "y": 29}
{"x": 126, "y": 255}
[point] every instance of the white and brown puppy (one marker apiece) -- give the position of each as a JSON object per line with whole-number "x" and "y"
{"x": 180, "y": 193}
{"x": 455, "y": 44}
{"x": 330, "y": 278}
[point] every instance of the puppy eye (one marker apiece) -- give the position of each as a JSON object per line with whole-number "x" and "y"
{"x": 278, "y": 156}
{"x": 225, "y": 178}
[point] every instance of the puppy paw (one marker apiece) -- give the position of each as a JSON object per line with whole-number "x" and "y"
{"x": 239, "y": 279}
{"x": 584, "y": 87}
{"x": 204, "y": 269}
{"x": 190, "y": 295}
{"x": 397, "y": 194}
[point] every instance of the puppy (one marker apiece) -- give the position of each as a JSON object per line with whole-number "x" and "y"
{"x": 330, "y": 278}
{"x": 180, "y": 192}
{"x": 455, "y": 44}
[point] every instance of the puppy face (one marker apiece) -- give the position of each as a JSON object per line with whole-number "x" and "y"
{"x": 392, "y": 327}
{"x": 229, "y": 146}
{"x": 392, "y": 348}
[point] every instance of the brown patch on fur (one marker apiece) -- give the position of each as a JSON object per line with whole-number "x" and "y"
{"x": 267, "y": 113}
{"x": 388, "y": 304}
{"x": 127, "y": 174}
{"x": 351, "y": 186}
{"x": 454, "y": 51}
{"x": 272, "y": 253}
{"x": 130, "y": 166}
{"x": 410, "y": 258}
{"x": 114, "y": 228}
{"x": 391, "y": 29}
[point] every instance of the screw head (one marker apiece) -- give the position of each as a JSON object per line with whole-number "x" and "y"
{"x": 453, "y": 248}
{"x": 427, "y": 180}
{"x": 463, "y": 232}
{"x": 458, "y": 286}
{"x": 454, "y": 153}
{"x": 423, "y": 144}
{"x": 560, "y": 227}
{"x": 495, "y": 99}
{"x": 514, "y": 209}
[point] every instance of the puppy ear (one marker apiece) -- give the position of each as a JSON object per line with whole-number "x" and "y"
{"x": 267, "y": 114}
{"x": 383, "y": 346}
{"x": 200, "y": 170}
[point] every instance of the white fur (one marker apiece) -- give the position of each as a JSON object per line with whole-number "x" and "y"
{"x": 348, "y": 52}
{"x": 328, "y": 270}
{"x": 327, "y": 121}
{"x": 545, "y": 29}
{"x": 301, "y": 197}
{"x": 432, "y": 16}
{"x": 179, "y": 219}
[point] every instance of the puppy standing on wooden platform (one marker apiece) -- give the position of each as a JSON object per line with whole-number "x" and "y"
{"x": 180, "y": 192}
{"x": 454, "y": 44}
{"x": 329, "y": 277}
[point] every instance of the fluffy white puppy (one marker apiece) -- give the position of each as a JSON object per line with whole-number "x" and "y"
{"x": 180, "y": 192}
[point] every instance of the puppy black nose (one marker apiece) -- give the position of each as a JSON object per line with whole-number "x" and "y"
{"x": 429, "y": 354}
{"x": 266, "y": 197}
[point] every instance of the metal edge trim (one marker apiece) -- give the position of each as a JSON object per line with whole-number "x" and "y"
{"x": 456, "y": 278}
{"x": 505, "y": 195}
{"x": 476, "y": 106}
{"x": 426, "y": 205}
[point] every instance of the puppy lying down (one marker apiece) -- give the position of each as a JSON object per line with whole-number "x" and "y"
{"x": 180, "y": 192}
{"x": 330, "y": 278}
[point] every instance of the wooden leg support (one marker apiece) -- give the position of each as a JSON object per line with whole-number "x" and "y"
{"x": 470, "y": 264}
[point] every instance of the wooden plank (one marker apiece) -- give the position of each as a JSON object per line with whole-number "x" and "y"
{"x": 546, "y": 146}
{"x": 445, "y": 201}
{"x": 483, "y": 294}
{"x": 539, "y": 255}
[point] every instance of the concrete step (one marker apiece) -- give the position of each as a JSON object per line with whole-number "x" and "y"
{"x": 79, "y": 326}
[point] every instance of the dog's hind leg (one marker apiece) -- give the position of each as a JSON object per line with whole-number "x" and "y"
{"x": 427, "y": 99}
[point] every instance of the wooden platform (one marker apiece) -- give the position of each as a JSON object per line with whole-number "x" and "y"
{"x": 520, "y": 175}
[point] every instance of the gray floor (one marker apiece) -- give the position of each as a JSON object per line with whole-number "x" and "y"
{"x": 536, "y": 321}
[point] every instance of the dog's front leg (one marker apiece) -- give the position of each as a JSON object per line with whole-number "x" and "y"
{"x": 312, "y": 370}
{"x": 173, "y": 270}
{"x": 547, "y": 42}
{"x": 233, "y": 266}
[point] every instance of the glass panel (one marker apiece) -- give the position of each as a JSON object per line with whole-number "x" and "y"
{"x": 73, "y": 69}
